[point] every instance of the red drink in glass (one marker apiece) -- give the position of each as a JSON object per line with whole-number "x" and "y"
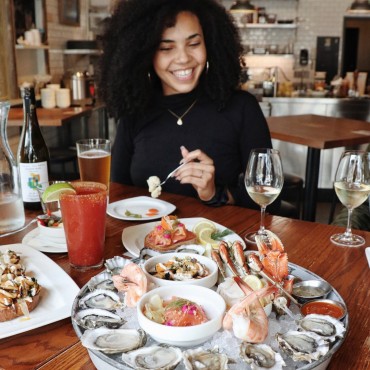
{"x": 84, "y": 217}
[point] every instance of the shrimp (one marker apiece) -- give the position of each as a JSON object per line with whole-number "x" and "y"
{"x": 247, "y": 318}
{"x": 133, "y": 282}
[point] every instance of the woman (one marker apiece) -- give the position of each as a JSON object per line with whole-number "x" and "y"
{"x": 170, "y": 74}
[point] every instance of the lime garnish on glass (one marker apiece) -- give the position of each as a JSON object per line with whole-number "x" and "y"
{"x": 53, "y": 192}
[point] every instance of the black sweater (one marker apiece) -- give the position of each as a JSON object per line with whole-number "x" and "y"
{"x": 150, "y": 146}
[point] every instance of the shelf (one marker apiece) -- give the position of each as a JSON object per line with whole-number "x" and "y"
{"x": 288, "y": 26}
{"x": 31, "y": 47}
{"x": 82, "y": 51}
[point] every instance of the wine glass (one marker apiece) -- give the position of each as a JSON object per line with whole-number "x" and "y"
{"x": 263, "y": 180}
{"x": 352, "y": 186}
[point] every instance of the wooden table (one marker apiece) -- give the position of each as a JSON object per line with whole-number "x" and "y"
{"x": 57, "y": 117}
{"x": 56, "y": 346}
{"x": 317, "y": 132}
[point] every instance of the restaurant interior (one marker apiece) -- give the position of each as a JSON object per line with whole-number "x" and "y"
{"x": 308, "y": 64}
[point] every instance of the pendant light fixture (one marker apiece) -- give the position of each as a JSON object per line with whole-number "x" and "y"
{"x": 360, "y": 6}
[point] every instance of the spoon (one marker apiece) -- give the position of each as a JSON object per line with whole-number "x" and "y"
{"x": 18, "y": 230}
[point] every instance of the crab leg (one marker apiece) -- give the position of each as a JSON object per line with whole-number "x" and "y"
{"x": 255, "y": 265}
{"x": 239, "y": 256}
{"x": 216, "y": 257}
{"x": 225, "y": 256}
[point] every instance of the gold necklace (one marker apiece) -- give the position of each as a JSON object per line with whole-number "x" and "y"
{"x": 179, "y": 118}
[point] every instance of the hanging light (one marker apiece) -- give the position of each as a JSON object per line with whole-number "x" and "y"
{"x": 246, "y": 11}
{"x": 359, "y": 6}
{"x": 242, "y": 5}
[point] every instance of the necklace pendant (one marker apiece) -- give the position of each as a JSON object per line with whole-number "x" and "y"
{"x": 179, "y": 122}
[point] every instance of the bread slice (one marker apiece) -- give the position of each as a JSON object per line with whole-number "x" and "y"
{"x": 191, "y": 238}
{"x": 10, "y": 313}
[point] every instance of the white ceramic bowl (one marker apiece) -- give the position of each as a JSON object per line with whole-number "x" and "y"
{"x": 212, "y": 303}
{"x": 52, "y": 233}
{"x": 208, "y": 281}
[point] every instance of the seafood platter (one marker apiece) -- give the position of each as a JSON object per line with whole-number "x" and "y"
{"x": 250, "y": 319}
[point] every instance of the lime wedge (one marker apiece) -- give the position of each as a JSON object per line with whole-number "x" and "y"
{"x": 52, "y": 192}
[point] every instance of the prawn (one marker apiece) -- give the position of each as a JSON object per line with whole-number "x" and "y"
{"x": 133, "y": 282}
{"x": 247, "y": 318}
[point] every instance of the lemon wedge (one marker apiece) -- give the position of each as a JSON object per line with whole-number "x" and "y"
{"x": 253, "y": 281}
{"x": 205, "y": 237}
{"x": 204, "y": 224}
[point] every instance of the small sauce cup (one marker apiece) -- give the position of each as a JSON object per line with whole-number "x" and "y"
{"x": 329, "y": 307}
{"x": 307, "y": 290}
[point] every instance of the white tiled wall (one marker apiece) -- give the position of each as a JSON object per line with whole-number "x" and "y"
{"x": 314, "y": 18}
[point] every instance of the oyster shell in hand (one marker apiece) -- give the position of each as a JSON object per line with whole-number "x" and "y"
{"x": 157, "y": 357}
{"x": 201, "y": 359}
{"x": 101, "y": 298}
{"x": 326, "y": 326}
{"x": 93, "y": 318}
{"x": 302, "y": 346}
{"x": 261, "y": 356}
{"x": 113, "y": 340}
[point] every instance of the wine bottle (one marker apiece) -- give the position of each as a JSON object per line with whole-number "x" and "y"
{"x": 33, "y": 155}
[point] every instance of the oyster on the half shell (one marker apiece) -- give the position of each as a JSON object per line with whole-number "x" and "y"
{"x": 326, "y": 326}
{"x": 156, "y": 357}
{"x": 302, "y": 346}
{"x": 93, "y": 318}
{"x": 202, "y": 359}
{"x": 113, "y": 340}
{"x": 101, "y": 298}
{"x": 101, "y": 281}
{"x": 261, "y": 356}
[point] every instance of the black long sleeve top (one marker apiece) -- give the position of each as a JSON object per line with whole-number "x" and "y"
{"x": 150, "y": 145}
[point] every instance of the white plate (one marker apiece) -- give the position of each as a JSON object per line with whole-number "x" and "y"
{"x": 57, "y": 294}
{"x": 139, "y": 205}
{"x": 43, "y": 244}
{"x": 133, "y": 236}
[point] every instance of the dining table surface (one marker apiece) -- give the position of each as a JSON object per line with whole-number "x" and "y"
{"x": 56, "y": 345}
{"x": 317, "y": 132}
{"x": 57, "y": 117}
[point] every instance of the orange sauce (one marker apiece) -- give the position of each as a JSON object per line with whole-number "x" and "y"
{"x": 322, "y": 308}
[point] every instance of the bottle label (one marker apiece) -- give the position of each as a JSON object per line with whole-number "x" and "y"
{"x": 33, "y": 176}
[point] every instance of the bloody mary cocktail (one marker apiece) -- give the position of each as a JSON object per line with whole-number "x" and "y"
{"x": 84, "y": 215}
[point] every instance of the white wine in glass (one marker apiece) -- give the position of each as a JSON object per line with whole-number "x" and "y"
{"x": 352, "y": 186}
{"x": 263, "y": 180}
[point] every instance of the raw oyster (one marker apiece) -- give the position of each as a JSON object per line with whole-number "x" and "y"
{"x": 101, "y": 281}
{"x": 113, "y": 340}
{"x": 101, "y": 298}
{"x": 92, "y": 318}
{"x": 116, "y": 264}
{"x": 261, "y": 356}
{"x": 324, "y": 325}
{"x": 201, "y": 359}
{"x": 302, "y": 346}
{"x": 157, "y": 357}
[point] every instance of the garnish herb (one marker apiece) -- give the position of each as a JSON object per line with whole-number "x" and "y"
{"x": 130, "y": 214}
{"x": 218, "y": 235}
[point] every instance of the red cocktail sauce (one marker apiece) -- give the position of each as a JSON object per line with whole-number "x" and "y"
{"x": 322, "y": 308}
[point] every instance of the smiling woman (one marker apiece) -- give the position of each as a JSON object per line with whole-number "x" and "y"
{"x": 177, "y": 99}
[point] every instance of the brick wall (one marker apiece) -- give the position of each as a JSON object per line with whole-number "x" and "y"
{"x": 59, "y": 33}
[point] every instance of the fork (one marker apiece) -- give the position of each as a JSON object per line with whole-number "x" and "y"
{"x": 171, "y": 173}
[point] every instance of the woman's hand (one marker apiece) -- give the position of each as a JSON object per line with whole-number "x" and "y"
{"x": 199, "y": 172}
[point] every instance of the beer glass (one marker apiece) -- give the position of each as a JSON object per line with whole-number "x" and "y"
{"x": 94, "y": 158}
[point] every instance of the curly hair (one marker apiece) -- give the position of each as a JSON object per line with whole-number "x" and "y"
{"x": 127, "y": 79}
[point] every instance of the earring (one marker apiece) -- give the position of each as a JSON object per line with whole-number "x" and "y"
{"x": 207, "y": 67}
{"x": 149, "y": 77}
